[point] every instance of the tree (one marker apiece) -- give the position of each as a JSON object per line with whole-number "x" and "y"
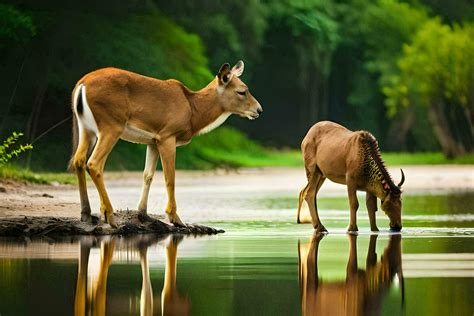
{"x": 437, "y": 72}
{"x": 378, "y": 30}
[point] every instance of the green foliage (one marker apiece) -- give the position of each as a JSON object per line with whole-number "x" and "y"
{"x": 217, "y": 149}
{"x": 15, "y": 25}
{"x": 436, "y": 72}
{"x": 8, "y": 150}
{"x": 147, "y": 43}
{"x": 438, "y": 65}
{"x": 379, "y": 30}
{"x": 314, "y": 29}
{"x": 231, "y": 30}
{"x": 386, "y": 26}
{"x": 228, "y": 147}
{"x": 156, "y": 46}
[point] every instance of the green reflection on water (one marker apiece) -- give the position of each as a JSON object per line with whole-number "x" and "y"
{"x": 254, "y": 268}
{"x": 456, "y": 203}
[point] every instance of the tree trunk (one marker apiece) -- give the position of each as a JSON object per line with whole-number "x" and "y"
{"x": 15, "y": 87}
{"x": 450, "y": 147}
{"x": 34, "y": 117}
{"x": 398, "y": 131}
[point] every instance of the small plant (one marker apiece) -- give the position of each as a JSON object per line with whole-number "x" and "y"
{"x": 7, "y": 150}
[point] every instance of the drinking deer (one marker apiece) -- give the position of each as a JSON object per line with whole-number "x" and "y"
{"x": 351, "y": 158}
{"x": 111, "y": 104}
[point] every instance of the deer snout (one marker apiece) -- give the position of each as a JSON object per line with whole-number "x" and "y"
{"x": 259, "y": 109}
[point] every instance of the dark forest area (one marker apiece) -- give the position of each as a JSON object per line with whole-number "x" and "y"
{"x": 403, "y": 70}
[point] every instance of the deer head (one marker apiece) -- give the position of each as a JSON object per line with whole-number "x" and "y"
{"x": 234, "y": 94}
{"x": 392, "y": 204}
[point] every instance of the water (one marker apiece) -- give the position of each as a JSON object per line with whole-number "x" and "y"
{"x": 265, "y": 264}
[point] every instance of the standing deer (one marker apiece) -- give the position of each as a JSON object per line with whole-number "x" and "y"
{"x": 111, "y": 104}
{"x": 351, "y": 158}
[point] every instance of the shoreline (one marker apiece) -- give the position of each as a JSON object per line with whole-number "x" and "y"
{"x": 125, "y": 187}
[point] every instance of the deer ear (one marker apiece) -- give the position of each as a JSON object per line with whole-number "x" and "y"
{"x": 224, "y": 74}
{"x": 238, "y": 69}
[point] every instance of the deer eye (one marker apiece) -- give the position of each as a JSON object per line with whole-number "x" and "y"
{"x": 240, "y": 92}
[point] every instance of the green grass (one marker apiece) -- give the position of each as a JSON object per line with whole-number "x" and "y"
{"x": 424, "y": 158}
{"x": 13, "y": 172}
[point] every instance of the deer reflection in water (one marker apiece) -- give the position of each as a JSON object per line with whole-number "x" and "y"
{"x": 362, "y": 292}
{"x": 91, "y": 288}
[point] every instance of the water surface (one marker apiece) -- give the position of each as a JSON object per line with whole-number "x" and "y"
{"x": 265, "y": 264}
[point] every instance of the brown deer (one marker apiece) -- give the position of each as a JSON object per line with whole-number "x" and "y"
{"x": 111, "y": 104}
{"x": 351, "y": 158}
{"x": 362, "y": 292}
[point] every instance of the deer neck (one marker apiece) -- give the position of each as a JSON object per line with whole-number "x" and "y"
{"x": 374, "y": 178}
{"x": 376, "y": 188}
{"x": 207, "y": 112}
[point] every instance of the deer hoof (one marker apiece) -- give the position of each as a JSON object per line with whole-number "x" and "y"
{"x": 175, "y": 220}
{"x": 321, "y": 229}
{"x": 111, "y": 220}
{"x": 352, "y": 229}
{"x": 87, "y": 218}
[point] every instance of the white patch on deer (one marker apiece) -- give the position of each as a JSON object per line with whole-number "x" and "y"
{"x": 218, "y": 122}
{"x": 220, "y": 89}
{"x": 86, "y": 119}
{"x": 182, "y": 143}
{"x": 136, "y": 135}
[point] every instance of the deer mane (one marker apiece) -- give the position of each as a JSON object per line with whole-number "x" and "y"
{"x": 372, "y": 147}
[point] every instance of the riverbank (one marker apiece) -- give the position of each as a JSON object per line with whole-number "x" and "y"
{"x": 205, "y": 195}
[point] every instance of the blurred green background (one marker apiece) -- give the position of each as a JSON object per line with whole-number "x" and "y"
{"x": 403, "y": 70}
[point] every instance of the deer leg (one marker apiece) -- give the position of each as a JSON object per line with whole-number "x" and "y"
{"x": 146, "y": 296}
{"x": 106, "y": 254}
{"x": 313, "y": 257}
{"x": 172, "y": 303}
{"x": 371, "y": 254}
{"x": 315, "y": 181}
{"x": 80, "y": 297}
{"x": 95, "y": 167}
{"x": 167, "y": 151}
{"x": 371, "y": 202}
{"x": 353, "y": 204}
{"x": 308, "y": 273}
{"x": 351, "y": 268}
{"x": 150, "y": 166}
{"x": 79, "y": 164}
{"x": 303, "y": 192}
{"x": 300, "y": 204}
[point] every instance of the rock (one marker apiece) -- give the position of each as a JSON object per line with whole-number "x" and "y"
{"x": 129, "y": 222}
